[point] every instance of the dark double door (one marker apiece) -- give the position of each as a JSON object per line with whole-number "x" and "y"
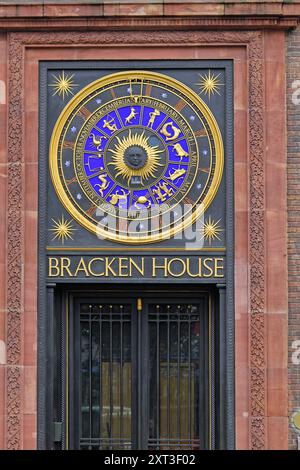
{"x": 140, "y": 372}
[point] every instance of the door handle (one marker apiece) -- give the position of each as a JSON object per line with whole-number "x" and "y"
{"x": 139, "y": 305}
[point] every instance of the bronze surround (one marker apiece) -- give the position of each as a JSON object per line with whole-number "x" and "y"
{"x": 17, "y": 43}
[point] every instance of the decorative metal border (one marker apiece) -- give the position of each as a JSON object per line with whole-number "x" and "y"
{"x": 15, "y": 235}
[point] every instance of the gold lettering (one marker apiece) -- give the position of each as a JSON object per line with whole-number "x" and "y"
{"x": 188, "y": 271}
{"x": 108, "y": 267}
{"x": 93, "y": 260}
{"x": 209, "y": 268}
{"x": 141, "y": 269}
{"x": 53, "y": 265}
{"x": 180, "y": 261}
{"x": 155, "y": 267}
{"x": 200, "y": 266}
{"x": 219, "y": 267}
{"x": 65, "y": 264}
{"x": 123, "y": 264}
{"x": 81, "y": 267}
{"x": 128, "y": 267}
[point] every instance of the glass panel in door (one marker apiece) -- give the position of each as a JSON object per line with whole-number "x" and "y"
{"x": 105, "y": 345}
{"x": 174, "y": 367}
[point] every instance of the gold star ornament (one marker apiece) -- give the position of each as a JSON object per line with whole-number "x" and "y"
{"x": 62, "y": 229}
{"x": 210, "y": 84}
{"x": 211, "y": 230}
{"x": 63, "y": 85}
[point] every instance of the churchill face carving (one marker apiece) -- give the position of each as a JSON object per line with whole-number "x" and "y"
{"x": 135, "y": 157}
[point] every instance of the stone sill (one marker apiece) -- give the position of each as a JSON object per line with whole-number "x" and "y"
{"x": 50, "y": 8}
{"x": 79, "y": 14}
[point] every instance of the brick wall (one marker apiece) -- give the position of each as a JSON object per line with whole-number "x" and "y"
{"x": 293, "y": 185}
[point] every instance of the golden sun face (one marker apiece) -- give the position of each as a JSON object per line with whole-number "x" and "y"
{"x": 134, "y": 156}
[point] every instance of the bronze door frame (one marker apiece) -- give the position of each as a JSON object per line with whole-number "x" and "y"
{"x": 140, "y": 387}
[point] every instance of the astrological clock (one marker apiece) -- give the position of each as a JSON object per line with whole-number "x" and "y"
{"x": 138, "y": 149}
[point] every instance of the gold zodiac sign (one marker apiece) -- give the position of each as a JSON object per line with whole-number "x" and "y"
{"x": 94, "y": 157}
{"x": 180, "y": 152}
{"x": 177, "y": 174}
{"x": 133, "y": 114}
{"x": 117, "y": 197}
{"x": 97, "y": 142}
{"x": 136, "y": 97}
{"x": 152, "y": 118}
{"x": 110, "y": 124}
{"x": 167, "y": 134}
{"x": 142, "y": 200}
{"x": 162, "y": 196}
{"x": 104, "y": 184}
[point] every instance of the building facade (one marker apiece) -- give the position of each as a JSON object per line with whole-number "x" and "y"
{"x": 149, "y": 225}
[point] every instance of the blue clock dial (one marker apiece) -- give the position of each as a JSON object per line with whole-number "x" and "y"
{"x": 129, "y": 147}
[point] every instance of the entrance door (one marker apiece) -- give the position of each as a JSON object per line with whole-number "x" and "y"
{"x": 140, "y": 373}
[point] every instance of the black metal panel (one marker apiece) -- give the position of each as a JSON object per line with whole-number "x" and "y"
{"x": 42, "y": 338}
{"x": 95, "y": 411}
{"x": 178, "y": 375}
{"x": 190, "y": 73}
{"x": 48, "y": 348}
{"x": 104, "y": 376}
{"x": 229, "y": 428}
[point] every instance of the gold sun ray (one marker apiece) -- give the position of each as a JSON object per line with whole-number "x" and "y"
{"x": 63, "y": 84}
{"x": 62, "y": 229}
{"x": 139, "y": 140}
{"x": 211, "y": 230}
{"x": 210, "y": 84}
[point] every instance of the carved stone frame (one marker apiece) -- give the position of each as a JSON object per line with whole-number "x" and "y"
{"x": 256, "y": 224}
